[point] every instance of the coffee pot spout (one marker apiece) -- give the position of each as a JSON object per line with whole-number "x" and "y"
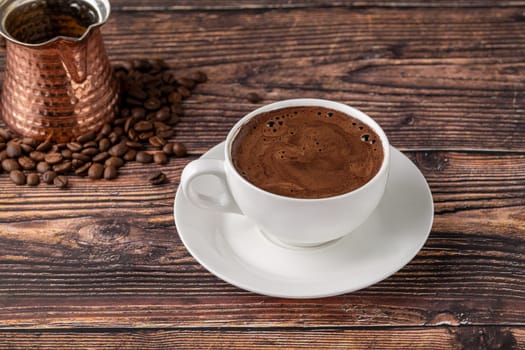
{"x": 40, "y": 23}
{"x": 73, "y": 56}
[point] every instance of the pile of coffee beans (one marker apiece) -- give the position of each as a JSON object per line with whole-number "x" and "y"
{"x": 151, "y": 105}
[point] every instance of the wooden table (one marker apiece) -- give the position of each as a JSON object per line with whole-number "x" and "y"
{"x": 100, "y": 265}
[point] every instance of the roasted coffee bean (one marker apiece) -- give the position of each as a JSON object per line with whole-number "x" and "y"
{"x": 141, "y": 65}
{"x": 163, "y": 114}
{"x": 114, "y": 161}
{"x": 133, "y": 102}
{"x": 98, "y": 138}
{"x": 37, "y": 156}
{"x": 179, "y": 149}
{"x": 90, "y": 144}
{"x": 137, "y": 93}
{"x": 53, "y": 158}
{"x": 99, "y": 158}
{"x": 60, "y": 146}
{"x": 168, "y": 148}
{"x": 150, "y": 81}
{"x": 81, "y": 157}
{"x": 134, "y": 144}
{"x": 130, "y": 155}
{"x": 118, "y": 150}
{"x": 113, "y": 137}
{"x": 66, "y": 153}
{"x": 160, "y": 158}
{"x": 144, "y": 157}
{"x": 143, "y": 125}
{"x": 128, "y": 124}
{"x": 60, "y": 181}
{"x": 63, "y": 168}
{"x": 157, "y": 178}
{"x": 166, "y": 133}
{"x": 186, "y": 82}
{"x": 132, "y": 135}
{"x": 44, "y": 146}
{"x": 174, "y": 97}
{"x": 104, "y": 145}
{"x": 48, "y": 177}
{"x": 10, "y": 165}
{"x": 118, "y": 130}
{"x": 184, "y": 91}
{"x": 160, "y": 125}
{"x": 138, "y": 113}
{"x": 95, "y": 171}
{"x": 161, "y": 64}
{"x": 156, "y": 141}
{"x": 152, "y": 104}
{"x": 177, "y": 109}
{"x": 119, "y": 121}
{"x": 33, "y": 179}
{"x": 83, "y": 169}
{"x": 110, "y": 172}
{"x": 3, "y": 155}
{"x": 74, "y": 146}
{"x": 106, "y": 129}
{"x": 91, "y": 151}
{"x": 168, "y": 78}
{"x": 145, "y": 135}
{"x": 150, "y": 116}
{"x": 17, "y": 177}
{"x": 77, "y": 163}
{"x": 30, "y": 141}
{"x": 199, "y": 76}
{"x": 42, "y": 167}
{"x": 13, "y": 149}
{"x": 6, "y": 134}
{"x": 26, "y": 163}
{"x": 167, "y": 89}
{"x": 86, "y": 137}
{"x": 26, "y": 148}
{"x": 169, "y": 123}
{"x": 253, "y": 97}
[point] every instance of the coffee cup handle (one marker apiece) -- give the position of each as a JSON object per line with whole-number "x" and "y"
{"x": 224, "y": 201}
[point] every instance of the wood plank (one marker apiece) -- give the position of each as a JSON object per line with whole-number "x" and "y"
{"x": 223, "y": 5}
{"x": 111, "y": 256}
{"x": 423, "y": 338}
{"x": 106, "y": 254}
{"x": 467, "y": 84}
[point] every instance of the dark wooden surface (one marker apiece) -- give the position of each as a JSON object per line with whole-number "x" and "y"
{"x": 100, "y": 265}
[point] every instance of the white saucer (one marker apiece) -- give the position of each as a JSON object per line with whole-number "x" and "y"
{"x": 233, "y": 249}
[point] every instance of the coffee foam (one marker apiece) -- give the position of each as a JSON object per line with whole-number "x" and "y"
{"x": 307, "y": 152}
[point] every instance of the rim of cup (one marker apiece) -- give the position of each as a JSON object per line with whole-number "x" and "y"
{"x": 310, "y": 102}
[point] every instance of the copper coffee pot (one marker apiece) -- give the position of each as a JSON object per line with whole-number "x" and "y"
{"x": 58, "y": 80}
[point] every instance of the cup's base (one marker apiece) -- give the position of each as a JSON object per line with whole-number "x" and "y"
{"x": 297, "y": 246}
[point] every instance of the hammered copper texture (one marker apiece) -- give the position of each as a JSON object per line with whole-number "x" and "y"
{"x": 60, "y": 90}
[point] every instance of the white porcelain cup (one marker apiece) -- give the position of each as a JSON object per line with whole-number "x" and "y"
{"x": 293, "y": 221}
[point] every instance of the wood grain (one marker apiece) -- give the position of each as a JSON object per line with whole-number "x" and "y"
{"x": 462, "y": 92}
{"x": 229, "y": 5}
{"x": 100, "y": 265}
{"x": 423, "y": 338}
{"x": 96, "y": 254}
